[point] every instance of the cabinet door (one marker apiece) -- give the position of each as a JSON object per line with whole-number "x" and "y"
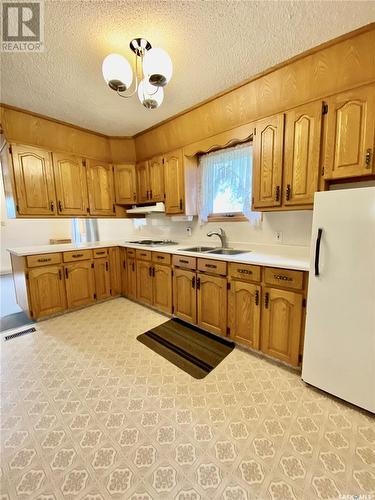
{"x": 102, "y": 278}
{"x": 33, "y": 175}
{"x": 100, "y": 186}
{"x": 162, "y": 287}
{"x": 302, "y": 154}
{"x": 124, "y": 273}
{"x": 281, "y": 324}
{"x": 212, "y": 303}
{"x": 184, "y": 295}
{"x": 350, "y": 134}
{"x": 47, "y": 290}
{"x": 71, "y": 184}
{"x": 174, "y": 183}
{"x": 125, "y": 184}
{"x": 115, "y": 268}
{"x": 268, "y": 162}
{"x": 156, "y": 170}
{"x": 143, "y": 181}
{"x": 244, "y": 313}
{"x": 144, "y": 282}
{"x": 80, "y": 283}
{"x": 131, "y": 279}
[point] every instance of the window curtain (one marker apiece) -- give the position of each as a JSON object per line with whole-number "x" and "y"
{"x": 220, "y": 169}
{"x": 85, "y": 230}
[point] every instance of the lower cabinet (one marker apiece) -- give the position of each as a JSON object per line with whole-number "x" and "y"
{"x": 47, "y": 290}
{"x": 162, "y": 287}
{"x": 79, "y": 283}
{"x": 212, "y": 303}
{"x": 115, "y": 268}
{"x": 244, "y": 312}
{"x": 184, "y": 295}
{"x": 281, "y": 324}
{"x": 102, "y": 278}
{"x": 131, "y": 279}
{"x": 144, "y": 282}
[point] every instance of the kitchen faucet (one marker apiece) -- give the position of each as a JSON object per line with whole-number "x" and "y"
{"x": 222, "y": 236}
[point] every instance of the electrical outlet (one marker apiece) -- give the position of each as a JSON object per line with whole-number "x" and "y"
{"x": 188, "y": 231}
{"x": 278, "y": 236}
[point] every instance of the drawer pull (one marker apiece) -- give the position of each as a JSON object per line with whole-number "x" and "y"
{"x": 244, "y": 271}
{"x": 212, "y": 266}
{"x": 45, "y": 260}
{"x": 183, "y": 261}
{"x": 77, "y": 255}
{"x": 282, "y": 277}
{"x": 160, "y": 257}
{"x": 100, "y": 253}
{"x": 143, "y": 254}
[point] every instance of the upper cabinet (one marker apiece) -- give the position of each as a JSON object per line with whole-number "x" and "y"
{"x": 350, "y": 134}
{"x": 268, "y": 162}
{"x": 100, "y": 184}
{"x": 125, "y": 184}
{"x": 71, "y": 184}
{"x": 143, "y": 181}
{"x": 302, "y": 154}
{"x": 174, "y": 183}
{"x": 33, "y": 177}
{"x": 156, "y": 178}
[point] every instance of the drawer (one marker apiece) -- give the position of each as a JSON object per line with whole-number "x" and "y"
{"x": 161, "y": 258}
{"x": 212, "y": 266}
{"x": 77, "y": 255}
{"x": 100, "y": 252}
{"x": 285, "y": 278}
{"x": 130, "y": 252}
{"x": 246, "y": 272}
{"x": 183, "y": 261}
{"x": 143, "y": 254}
{"x": 43, "y": 260}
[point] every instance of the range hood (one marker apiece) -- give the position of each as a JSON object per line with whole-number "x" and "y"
{"x": 158, "y": 207}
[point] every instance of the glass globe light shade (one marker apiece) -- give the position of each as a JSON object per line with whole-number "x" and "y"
{"x": 150, "y": 96}
{"x": 157, "y": 67}
{"x": 117, "y": 72}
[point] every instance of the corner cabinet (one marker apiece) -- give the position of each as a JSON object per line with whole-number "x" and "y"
{"x": 33, "y": 177}
{"x": 47, "y": 290}
{"x": 100, "y": 184}
{"x": 71, "y": 184}
{"x": 125, "y": 184}
{"x": 350, "y": 134}
{"x": 174, "y": 183}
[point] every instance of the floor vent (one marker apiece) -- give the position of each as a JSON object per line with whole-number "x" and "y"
{"x": 19, "y": 334}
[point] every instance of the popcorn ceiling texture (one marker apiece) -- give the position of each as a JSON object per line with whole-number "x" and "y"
{"x": 213, "y": 45}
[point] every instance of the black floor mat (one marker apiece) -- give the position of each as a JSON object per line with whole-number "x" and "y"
{"x": 193, "y": 350}
{"x": 14, "y": 321}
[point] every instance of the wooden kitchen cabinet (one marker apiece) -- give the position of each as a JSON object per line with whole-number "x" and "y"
{"x": 268, "y": 161}
{"x": 244, "y": 305}
{"x": 33, "y": 176}
{"x": 46, "y": 290}
{"x": 79, "y": 283}
{"x": 125, "y": 184}
{"x": 302, "y": 154}
{"x": 156, "y": 178}
{"x": 102, "y": 278}
{"x": 115, "y": 268}
{"x": 71, "y": 184}
{"x": 174, "y": 183}
{"x": 162, "y": 287}
{"x": 144, "y": 282}
{"x": 131, "y": 279}
{"x": 212, "y": 303}
{"x": 281, "y": 324}
{"x": 184, "y": 295}
{"x": 143, "y": 182}
{"x": 350, "y": 134}
{"x": 100, "y": 186}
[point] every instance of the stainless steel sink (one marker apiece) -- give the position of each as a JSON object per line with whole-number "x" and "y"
{"x": 227, "y": 251}
{"x": 197, "y": 249}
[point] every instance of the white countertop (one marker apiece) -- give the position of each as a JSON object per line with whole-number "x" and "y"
{"x": 282, "y": 256}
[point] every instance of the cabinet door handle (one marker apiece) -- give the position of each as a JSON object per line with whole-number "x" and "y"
{"x": 123, "y": 264}
{"x": 66, "y": 273}
{"x": 60, "y": 206}
{"x": 180, "y": 203}
{"x": 193, "y": 282}
{"x": 317, "y": 251}
{"x": 288, "y": 192}
{"x": 60, "y": 275}
{"x": 266, "y": 300}
{"x": 150, "y": 271}
{"x": 153, "y": 272}
{"x": 257, "y": 298}
{"x": 147, "y": 194}
{"x": 198, "y": 283}
{"x": 368, "y": 158}
{"x": 134, "y": 196}
{"x": 106, "y": 266}
{"x": 150, "y": 194}
{"x": 277, "y": 193}
{"x": 133, "y": 267}
{"x": 52, "y": 206}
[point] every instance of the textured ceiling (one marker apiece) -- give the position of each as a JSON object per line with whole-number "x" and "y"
{"x": 213, "y": 45}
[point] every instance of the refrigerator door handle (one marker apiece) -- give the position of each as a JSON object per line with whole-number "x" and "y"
{"x": 317, "y": 251}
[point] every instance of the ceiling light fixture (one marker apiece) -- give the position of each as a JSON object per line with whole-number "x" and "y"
{"x": 156, "y": 72}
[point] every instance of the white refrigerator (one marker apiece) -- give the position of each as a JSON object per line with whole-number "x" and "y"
{"x": 339, "y": 349}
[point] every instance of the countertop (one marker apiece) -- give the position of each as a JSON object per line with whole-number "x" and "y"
{"x": 281, "y": 256}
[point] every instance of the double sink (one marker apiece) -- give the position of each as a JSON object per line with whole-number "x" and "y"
{"x": 215, "y": 251}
